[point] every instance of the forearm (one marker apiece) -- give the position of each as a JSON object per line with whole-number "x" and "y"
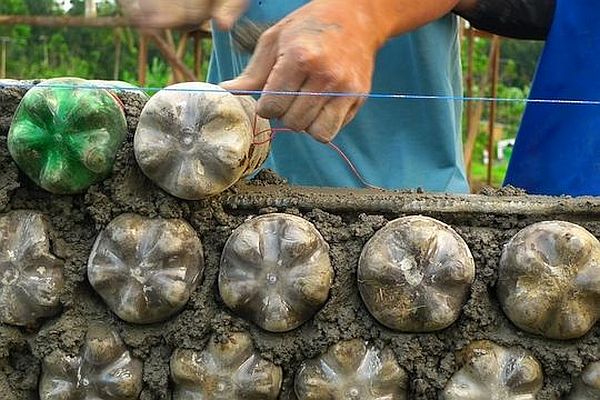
{"x": 386, "y": 19}
{"x": 395, "y": 17}
{"x": 520, "y": 19}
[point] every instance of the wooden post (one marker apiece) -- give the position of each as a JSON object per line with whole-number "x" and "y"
{"x": 169, "y": 36}
{"x": 64, "y": 21}
{"x": 171, "y": 57}
{"x": 476, "y": 113}
{"x": 90, "y": 9}
{"x": 142, "y": 58}
{"x": 69, "y": 21}
{"x": 118, "y": 46}
{"x": 198, "y": 54}
{"x": 469, "y": 84}
{"x": 182, "y": 46}
{"x": 496, "y": 74}
{"x": 46, "y": 61}
{"x": 3, "y": 55}
{"x": 180, "y": 53}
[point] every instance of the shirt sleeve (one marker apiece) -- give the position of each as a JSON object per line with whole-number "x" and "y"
{"x": 519, "y": 19}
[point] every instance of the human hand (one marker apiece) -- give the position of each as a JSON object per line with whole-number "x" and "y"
{"x": 181, "y": 13}
{"x": 327, "y": 46}
{"x": 317, "y": 48}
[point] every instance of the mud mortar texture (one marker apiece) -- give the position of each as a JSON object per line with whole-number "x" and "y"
{"x": 345, "y": 219}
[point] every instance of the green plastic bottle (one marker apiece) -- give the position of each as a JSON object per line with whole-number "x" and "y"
{"x": 65, "y": 134}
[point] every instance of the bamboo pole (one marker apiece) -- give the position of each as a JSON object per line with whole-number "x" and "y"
{"x": 118, "y": 51}
{"x": 476, "y": 114}
{"x": 493, "y": 105}
{"x": 4, "y": 41}
{"x": 469, "y": 105}
{"x": 90, "y": 9}
{"x": 67, "y": 21}
{"x": 182, "y": 46}
{"x": 142, "y": 58}
{"x": 71, "y": 21}
{"x": 171, "y": 57}
{"x": 170, "y": 39}
{"x": 198, "y": 54}
{"x": 180, "y": 53}
{"x": 176, "y": 75}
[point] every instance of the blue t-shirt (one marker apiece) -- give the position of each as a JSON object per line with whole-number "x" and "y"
{"x": 394, "y": 143}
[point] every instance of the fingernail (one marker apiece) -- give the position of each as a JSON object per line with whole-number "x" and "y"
{"x": 269, "y": 109}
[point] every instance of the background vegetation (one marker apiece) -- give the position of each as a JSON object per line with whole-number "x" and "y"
{"x": 37, "y": 52}
{"x": 517, "y": 68}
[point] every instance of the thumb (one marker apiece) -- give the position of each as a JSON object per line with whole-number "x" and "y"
{"x": 259, "y": 68}
{"x": 227, "y": 12}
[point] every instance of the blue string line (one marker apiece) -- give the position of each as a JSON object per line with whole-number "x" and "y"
{"x": 381, "y": 96}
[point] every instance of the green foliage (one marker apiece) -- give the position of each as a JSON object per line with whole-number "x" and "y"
{"x": 519, "y": 61}
{"x": 517, "y": 67}
{"x": 13, "y": 7}
{"x": 158, "y": 74}
{"x": 479, "y": 172}
{"x": 37, "y": 52}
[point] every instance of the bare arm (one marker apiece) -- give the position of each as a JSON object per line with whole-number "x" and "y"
{"x": 520, "y": 19}
{"x": 395, "y": 17}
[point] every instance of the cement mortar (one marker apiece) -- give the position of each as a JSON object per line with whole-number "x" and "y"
{"x": 486, "y": 223}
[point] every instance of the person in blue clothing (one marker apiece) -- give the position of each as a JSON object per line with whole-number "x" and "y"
{"x": 359, "y": 46}
{"x": 557, "y": 150}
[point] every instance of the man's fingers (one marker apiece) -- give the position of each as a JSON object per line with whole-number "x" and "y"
{"x": 353, "y": 111}
{"x": 331, "y": 119}
{"x": 286, "y": 76}
{"x": 259, "y": 68}
{"x": 227, "y": 12}
{"x": 305, "y": 108}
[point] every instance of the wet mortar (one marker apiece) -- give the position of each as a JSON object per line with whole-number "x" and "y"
{"x": 429, "y": 359}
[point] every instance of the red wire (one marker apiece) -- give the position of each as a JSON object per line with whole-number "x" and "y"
{"x": 352, "y": 166}
{"x": 114, "y": 95}
{"x": 269, "y": 140}
{"x": 339, "y": 151}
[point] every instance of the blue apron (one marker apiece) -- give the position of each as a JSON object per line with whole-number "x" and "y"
{"x": 557, "y": 148}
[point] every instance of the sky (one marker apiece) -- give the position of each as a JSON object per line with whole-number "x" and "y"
{"x": 66, "y": 4}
